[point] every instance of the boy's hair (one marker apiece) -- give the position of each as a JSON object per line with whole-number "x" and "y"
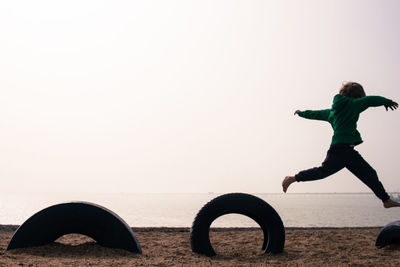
{"x": 352, "y": 89}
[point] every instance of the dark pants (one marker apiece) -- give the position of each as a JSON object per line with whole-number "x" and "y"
{"x": 344, "y": 155}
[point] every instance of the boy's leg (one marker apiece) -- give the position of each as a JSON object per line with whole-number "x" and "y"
{"x": 332, "y": 164}
{"x": 360, "y": 168}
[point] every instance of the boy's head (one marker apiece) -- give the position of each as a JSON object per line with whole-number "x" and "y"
{"x": 352, "y": 89}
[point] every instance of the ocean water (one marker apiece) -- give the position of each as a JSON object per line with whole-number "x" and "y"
{"x": 179, "y": 210}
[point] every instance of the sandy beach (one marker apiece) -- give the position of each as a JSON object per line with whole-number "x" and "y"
{"x": 235, "y": 247}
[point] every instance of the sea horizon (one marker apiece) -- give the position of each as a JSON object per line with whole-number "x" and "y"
{"x": 179, "y": 209}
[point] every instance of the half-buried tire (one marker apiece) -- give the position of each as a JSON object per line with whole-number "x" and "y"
{"x": 390, "y": 234}
{"x": 97, "y": 222}
{"x": 245, "y": 204}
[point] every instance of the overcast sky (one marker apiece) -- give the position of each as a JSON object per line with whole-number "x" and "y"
{"x": 189, "y": 96}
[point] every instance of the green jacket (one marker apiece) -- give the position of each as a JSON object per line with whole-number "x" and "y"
{"x": 343, "y": 116}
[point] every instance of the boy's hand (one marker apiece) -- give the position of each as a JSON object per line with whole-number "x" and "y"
{"x": 296, "y": 112}
{"x": 392, "y": 106}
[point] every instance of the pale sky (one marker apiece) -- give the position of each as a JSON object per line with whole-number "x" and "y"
{"x": 189, "y": 96}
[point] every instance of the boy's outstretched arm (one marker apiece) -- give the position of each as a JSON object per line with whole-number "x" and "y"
{"x": 322, "y": 115}
{"x": 374, "y": 101}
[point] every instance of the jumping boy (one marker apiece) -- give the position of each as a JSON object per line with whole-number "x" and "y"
{"x": 343, "y": 117}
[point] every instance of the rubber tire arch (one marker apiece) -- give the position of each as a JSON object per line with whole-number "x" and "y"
{"x": 85, "y": 218}
{"x": 244, "y": 204}
{"x": 390, "y": 234}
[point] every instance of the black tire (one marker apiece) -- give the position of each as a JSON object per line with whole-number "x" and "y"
{"x": 97, "y": 222}
{"x": 245, "y": 204}
{"x": 390, "y": 234}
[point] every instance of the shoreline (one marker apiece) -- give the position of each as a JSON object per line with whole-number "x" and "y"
{"x": 14, "y": 227}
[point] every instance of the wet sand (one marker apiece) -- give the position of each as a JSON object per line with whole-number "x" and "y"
{"x": 235, "y": 247}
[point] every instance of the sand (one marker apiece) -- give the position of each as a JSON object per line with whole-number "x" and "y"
{"x": 235, "y": 247}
